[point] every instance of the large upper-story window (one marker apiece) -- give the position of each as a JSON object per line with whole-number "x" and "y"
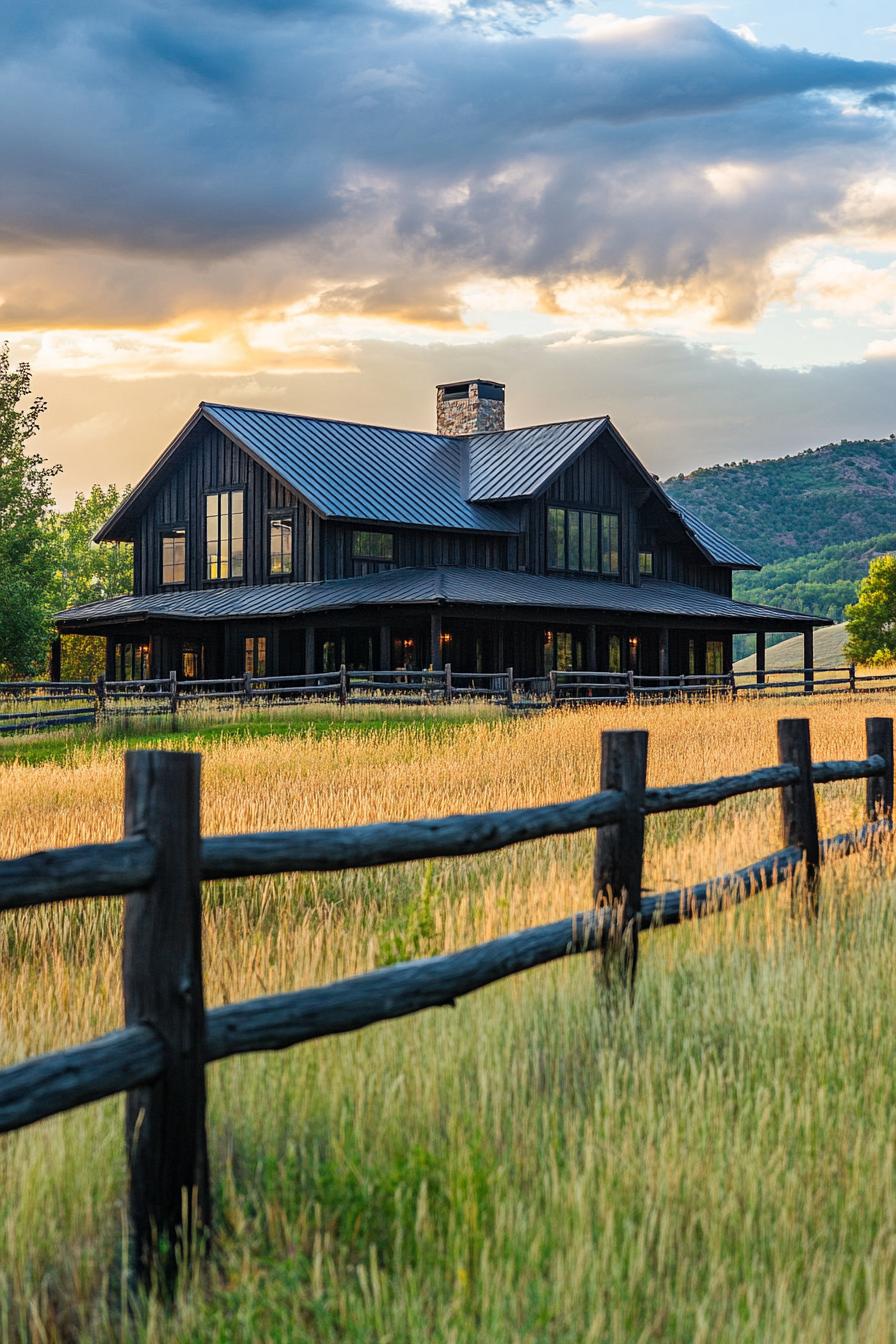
{"x": 372, "y": 551}
{"x": 583, "y": 541}
{"x": 174, "y": 555}
{"x": 224, "y": 535}
{"x": 280, "y": 545}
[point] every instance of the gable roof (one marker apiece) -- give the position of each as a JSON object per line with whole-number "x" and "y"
{"x": 368, "y": 473}
{"x": 517, "y": 463}
{"x": 363, "y": 472}
{"x": 472, "y": 587}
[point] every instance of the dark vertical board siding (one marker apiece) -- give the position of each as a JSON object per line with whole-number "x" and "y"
{"x": 210, "y": 459}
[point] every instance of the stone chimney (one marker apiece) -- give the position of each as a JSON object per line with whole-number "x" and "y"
{"x": 475, "y": 407}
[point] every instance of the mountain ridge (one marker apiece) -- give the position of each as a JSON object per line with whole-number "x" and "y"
{"x": 783, "y": 507}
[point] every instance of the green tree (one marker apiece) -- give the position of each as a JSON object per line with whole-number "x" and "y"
{"x": 871, "y": 620}
{"x": 26, "y": 549}
{"x": 87, "y": 572}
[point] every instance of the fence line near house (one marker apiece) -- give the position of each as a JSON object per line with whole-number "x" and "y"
{"x": 34, "y": 706}
{"x": 160, "y": 1055}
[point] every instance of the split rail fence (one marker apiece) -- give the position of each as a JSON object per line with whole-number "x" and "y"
{"x": 36, "y": 706}
{"x": 160, "y": 1055}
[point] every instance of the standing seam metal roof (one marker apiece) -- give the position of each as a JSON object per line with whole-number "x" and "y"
{"x": 484, "y": 587}
{"x": 365, "y": 472}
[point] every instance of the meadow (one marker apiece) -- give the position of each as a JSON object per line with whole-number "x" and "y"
{"x": 715, "y": 1162}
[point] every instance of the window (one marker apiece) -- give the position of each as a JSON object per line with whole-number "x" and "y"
{"x": 692, "y": 657}
{"x": 583, "y": 541}
{"x": 255, "y": 655}
{"x": 372, "y": 551}
{"x": 563, "y": 652}
{"x": 615, "y": 654}
{"x": 224, "y": 534}
{"x": 609, "y": 543}
{"x": 645, "y": 563}
{"x": 174, "y": 556}
{"x": 280, "y": 545}
{"x": 132, "y": 662}
{"x": 715, "y": 657}
{"x": 372, "y": 545}
{"x": 192, "y": 661}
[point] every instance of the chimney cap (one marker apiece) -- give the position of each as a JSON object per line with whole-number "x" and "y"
{"x": 468, "y": 382}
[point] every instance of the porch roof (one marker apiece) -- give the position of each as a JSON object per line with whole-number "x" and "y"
{"x": 439, "y": 587}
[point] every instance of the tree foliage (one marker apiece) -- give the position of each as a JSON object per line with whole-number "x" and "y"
{"x": 824, "y": 582}
{"x": 26, "y": 546}
{"x": 87, "y": 572}
{"x": 871, "y": 620}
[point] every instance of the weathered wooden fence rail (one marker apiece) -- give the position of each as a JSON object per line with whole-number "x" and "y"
{"x": 160, "y": 1055}
{"x": 29, "y": 707}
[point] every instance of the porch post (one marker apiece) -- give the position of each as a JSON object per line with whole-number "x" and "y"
{"x": 56, "y": 659}
{"x": 591, "y": 649}
{"x": 435, "y": 640}
{"x": 309, "y": 649}
{"x": 760, "y": 657}
{"x": 809, "y": 659}
{"x": 385, "y": 648}
{"x": 500, "y": 652}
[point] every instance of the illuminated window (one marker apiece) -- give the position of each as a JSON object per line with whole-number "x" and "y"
{"x": 192, "y": 661}
{"x": 174, "y": 556}
{"x": 255, "y": 655}
{"x": 224, "y": 534}
{"x": 645, "y": 563}
{"x": 280, "y": 545}
{"x": 692, "y": 657}
{"x": 132, "y": 662}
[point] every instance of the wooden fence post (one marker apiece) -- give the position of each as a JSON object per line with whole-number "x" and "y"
{"x": 619, "y": 852}
{"x": 247, "y": 686}
{"x": 449, "y": 690}
{"x": 852, "y": 678}
{"x": 172, "y": 692}
{"x": 509, "y": 675}
{"x": 798, "y": 812}
{"x": 170, "y": 1208}
{"x": 879, "y": 791}
{"x": 552, "y": 680}
{"x": 343, "y": 685}
{"x": 100, "y": 691}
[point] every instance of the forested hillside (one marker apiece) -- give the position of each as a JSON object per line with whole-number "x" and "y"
{"x": 822, "y": 582}
{"x": 794, "y": 506}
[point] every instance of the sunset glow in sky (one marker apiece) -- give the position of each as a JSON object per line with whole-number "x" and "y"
{"x": 682, "y": 214}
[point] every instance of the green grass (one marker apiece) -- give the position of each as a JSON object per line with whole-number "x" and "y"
{"x": 197, "y": 731}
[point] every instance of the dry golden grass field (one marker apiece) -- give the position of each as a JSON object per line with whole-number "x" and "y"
{"x": 715, "y": 1163}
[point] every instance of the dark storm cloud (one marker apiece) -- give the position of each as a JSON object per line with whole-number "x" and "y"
{"x": 375, "y": 138}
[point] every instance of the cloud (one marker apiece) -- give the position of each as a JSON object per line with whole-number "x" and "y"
{"x": 355, "y": 143}
{"x": 888, "y": 31}
{"x": 679, "y": 405}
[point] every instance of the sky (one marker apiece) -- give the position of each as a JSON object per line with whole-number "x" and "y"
{"x": 680, "y": 214}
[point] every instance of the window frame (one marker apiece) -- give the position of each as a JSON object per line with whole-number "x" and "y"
{"x": 646, "y": 553}
{"x": 218, "y": 492}
{"x": 357, "y": 554}
{"x": 167, "y": 532}
{"x": 280, "y": 516}
{"x": 588, "y": 527}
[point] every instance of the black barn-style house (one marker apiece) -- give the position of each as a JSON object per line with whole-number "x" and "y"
{"x": 271, "y": 543}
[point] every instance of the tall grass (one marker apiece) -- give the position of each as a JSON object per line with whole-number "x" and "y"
{"x": 716, "y": 1163}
